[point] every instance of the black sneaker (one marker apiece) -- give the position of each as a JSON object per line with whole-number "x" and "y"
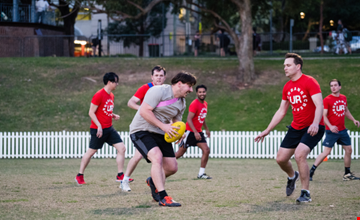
{"x": 168, "y": 201}
{"x": 204, "y": 176}
{"x": 312, "y": 172}
{"x": 304, "y": 197}
{"x": 154, "y": 191}
{"x": 290, "y": 187}
{"x": 350, "y": 176}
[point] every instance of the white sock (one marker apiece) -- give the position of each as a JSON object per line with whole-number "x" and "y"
{"x": 201, "y": 171}
{"x": 126, "y": 178}
{"x": 307, "y": 190}
{"x": 292, "y": 177}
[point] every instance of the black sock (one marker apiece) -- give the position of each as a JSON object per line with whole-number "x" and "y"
{"x": 119, "y": 174}
{"x": 162, "y": 194}
{"x": 313, "y": 167}
{"x": 80, "y": 174}
{"x": 347, "y": 170}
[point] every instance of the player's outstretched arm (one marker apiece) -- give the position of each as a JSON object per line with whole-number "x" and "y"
{"x": 279, "y": 115}
{"x": 132, "y": 103}
{"x": 318, "y": 102}
{"x": 349, "y": 116}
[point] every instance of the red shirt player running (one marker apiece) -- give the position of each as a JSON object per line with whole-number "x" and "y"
{"x": 194, "y": 135}
{"x": 101, "y": 129}
{"x": 335, "y": 110}
{"x": 307, "y": 128}
{"x": 158, "y": 76}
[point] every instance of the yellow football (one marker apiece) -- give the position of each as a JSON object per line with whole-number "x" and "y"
{"x": 181, "y": 125}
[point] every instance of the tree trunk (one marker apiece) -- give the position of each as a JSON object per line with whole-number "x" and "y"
{"x": 69, "y": 22}
{"x": 244, "y": 47}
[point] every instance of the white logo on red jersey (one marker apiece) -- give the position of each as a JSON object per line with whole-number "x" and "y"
{"x": 108, "y": 107}
{"x": 202, "y": 115}
{"x": 297, "y": 99}
{"x": 339, "y": 108}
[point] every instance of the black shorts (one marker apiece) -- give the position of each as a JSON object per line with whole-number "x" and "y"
{"x": 144, "y": 141}
{"x": 190, "y": 139}
{"x": 109, "y": 136}
{"x": 293, "y": 137}
{"x": 341, "y": 138}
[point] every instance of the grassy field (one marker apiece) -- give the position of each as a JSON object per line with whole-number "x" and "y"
{"x": 54, "y": 93}
{"x": 240, "y": 189}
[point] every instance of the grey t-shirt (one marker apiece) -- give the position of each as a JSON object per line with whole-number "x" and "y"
{"x": 161, "y": 98}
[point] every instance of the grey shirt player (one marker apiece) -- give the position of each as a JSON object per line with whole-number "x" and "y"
{"x": 166, "y": 107}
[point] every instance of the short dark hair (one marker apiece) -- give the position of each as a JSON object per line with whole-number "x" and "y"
{"x": 110, "y": 76}
{"x": 200, "y": 86}
{"x": 297, "y": 59}
{"x": 158, "y": 68}
{"x": 184, "y": 77}
{"x": 335, "y": 80}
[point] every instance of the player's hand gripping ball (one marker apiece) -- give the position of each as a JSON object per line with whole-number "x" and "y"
{"x": 181, "y": 125}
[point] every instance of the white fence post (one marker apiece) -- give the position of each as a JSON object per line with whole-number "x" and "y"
{"x": 222, "y": 144}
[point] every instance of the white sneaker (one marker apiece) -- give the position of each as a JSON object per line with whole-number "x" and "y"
{"x": 124, "y": 186}
{"x": 204, "y": 176}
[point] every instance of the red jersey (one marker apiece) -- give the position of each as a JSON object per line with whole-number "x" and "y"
{"x": 104, "y": 112}
{"x": 140, "y": 93}
{"x": 200, "y": 110}
{"x": 336, "y": 107}
{"x": 299, "y": 94}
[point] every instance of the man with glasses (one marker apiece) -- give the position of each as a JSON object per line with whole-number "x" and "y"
{"x": 101, "y": 129}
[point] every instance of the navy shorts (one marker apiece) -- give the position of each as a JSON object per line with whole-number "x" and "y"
{"x": 341, "y": 138}
{"x": 294, "y": 137}
{"x": 109, "y": 136}
{"x": 190, "y": 139}
{"x": 144, "y": 141}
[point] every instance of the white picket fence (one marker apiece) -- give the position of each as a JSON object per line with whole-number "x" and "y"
{"x": 223, "y": 144}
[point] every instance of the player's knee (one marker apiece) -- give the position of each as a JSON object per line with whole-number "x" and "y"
{"x": 121, "y": 149}
{"x": 172, "y": 169}
{"x": 206, "y": 150}
{"x": 300, "y": 157}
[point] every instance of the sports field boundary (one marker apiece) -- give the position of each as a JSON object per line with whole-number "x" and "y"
{"x": 223, "y": 144}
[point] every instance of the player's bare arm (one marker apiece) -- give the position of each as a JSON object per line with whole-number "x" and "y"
{"x": 279, "y": 115}
{"x": 318, "y": 102}
{"x": 333, "y": 128}
{"x": 191, "y": 125}
{"x": 146, "y": 111}
{"x": 132, "y": 103}
{"x": 349, "y": 116}
{"x": 115, "y": 117}
{"x": 206, "y": 129}
{"x": 93, "y": 117}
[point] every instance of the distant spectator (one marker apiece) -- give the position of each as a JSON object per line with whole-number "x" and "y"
{"x": 224, "y": 42}
{"x": 41, "y": 7}
{"x": 256, "y": 41}
{"x": 94, "y": 44}
{"x": 197, "y": 43}
{"x": 347, "y": 38}
{"x": 340, "y": 25}
{"x": 340, "y": 43}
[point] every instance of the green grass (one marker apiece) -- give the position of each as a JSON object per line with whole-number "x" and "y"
{"x": 54, "y": 94}
{"x": 240, "y": 189}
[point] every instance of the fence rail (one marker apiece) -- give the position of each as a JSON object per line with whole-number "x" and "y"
{"x": 223, "y": 144}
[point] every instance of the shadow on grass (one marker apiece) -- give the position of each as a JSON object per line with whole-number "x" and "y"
{"x": 122, "y": 211}
{"x": 276, "y": 206}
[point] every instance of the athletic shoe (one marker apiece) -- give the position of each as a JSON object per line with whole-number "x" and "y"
{"x": 168, "y": 201}
{"x": 120, "y": 178}
{"x": 304, "y": 197}
{"x": 350, "y": 176}
{"x": 154, "y": 192}
{"x": 124, "y": 186}
{"x": 290, "y": 187}
{"x": 312, "y": 172}
{"x": 80, "y": 180}
{"x": 204, "y": 176}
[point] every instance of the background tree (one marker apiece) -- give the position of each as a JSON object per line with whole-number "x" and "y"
{"x": 149, "y": 24}
{"x": 69, "y": 10}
